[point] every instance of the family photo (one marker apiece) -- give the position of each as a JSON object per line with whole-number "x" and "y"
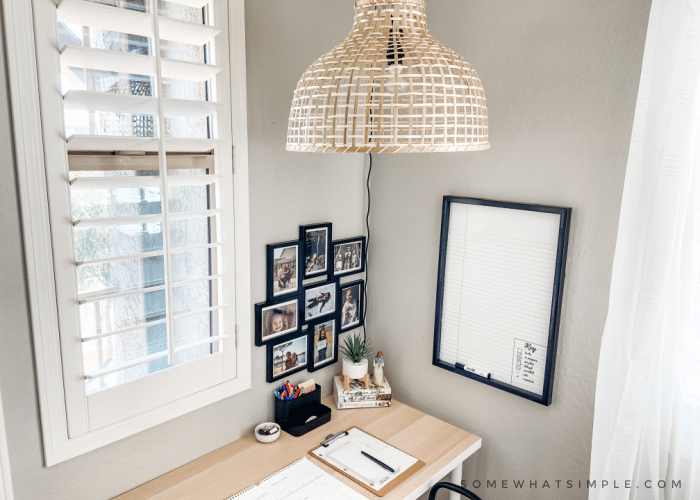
{"x": 279, "y": 319}
{"x": 289, "y": 356}
{"x": 284, "y": 268}
{"x": 324, "y": 343}
{"x": 347, "y": 258}
{"x": 350, "y": 315}
{"x": 319, "y": 301}
{"x": 315, "y": 249}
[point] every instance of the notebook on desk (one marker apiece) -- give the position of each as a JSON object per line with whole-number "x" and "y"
{"x": 299, "y": 481}
{"x": 387, "y": 468}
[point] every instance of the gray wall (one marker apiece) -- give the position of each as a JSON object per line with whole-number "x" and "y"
{"x": 286, "y": 190}
{"x": 561, "y": 81}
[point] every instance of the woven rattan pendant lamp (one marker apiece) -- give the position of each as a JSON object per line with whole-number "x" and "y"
{"x": 390, "y": 87}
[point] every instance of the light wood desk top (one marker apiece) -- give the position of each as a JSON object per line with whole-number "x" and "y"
{"x": 245, "y": 462}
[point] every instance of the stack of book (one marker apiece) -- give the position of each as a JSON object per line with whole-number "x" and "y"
{"x": 377, "y": 396}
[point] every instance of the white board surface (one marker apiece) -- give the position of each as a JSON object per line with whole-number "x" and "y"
{"x": 497, "y": 304}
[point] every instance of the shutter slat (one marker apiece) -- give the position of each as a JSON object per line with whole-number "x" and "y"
{"x": 105, "y": 17}
{"x": 195, "y": 109}
{"x": 195, "y": 215}
{"x": 183, "y": 32}
{"x": 121, "y": 182}
{"x": 123, "y": 62}
{"x": 116, "y": 221}
{"x": 184, "y": 70}
{"x": 118, "y": 259}
{"x": 115, "y": 143}
{"x": 121, "y": 20}
{"x": 107, "y": 296}
{"x": 142, "y": 219}
{"x": 146, "y": 254}
{"x": 152, "y": 323}
{"x": 197, "y": 4}
{"x": 136, "y": 104}
{"x": 108, "y": 102}
{"x": 107, "y": 60}
{"x": 124, "y": 330}
{"x": 142, "y": 181}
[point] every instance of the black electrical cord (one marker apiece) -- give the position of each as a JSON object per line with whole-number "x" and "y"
{"x": 366, "y": 295}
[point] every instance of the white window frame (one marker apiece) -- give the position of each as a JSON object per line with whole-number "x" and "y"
{"x": 29, "y": 153}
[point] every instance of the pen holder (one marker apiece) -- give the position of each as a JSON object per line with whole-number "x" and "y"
{"x": 293, "y": 416}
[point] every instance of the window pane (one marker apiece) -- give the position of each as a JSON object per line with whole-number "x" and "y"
{"x": 193, "y": 264}
{"x": 194, "y": 328}
{"x": 192, "y": 232}
{"x": 120, "y": 276}
{"x": 117, "y": 241}
{"x": 119, "y": 202}
{"x": 119, "y": 313}
{"x": 194, "y": 297}
{"x": 180, "y": 12}
{"x": 116, "y": 349}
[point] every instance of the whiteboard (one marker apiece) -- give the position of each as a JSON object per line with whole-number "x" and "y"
{"x": 500, "y": 283}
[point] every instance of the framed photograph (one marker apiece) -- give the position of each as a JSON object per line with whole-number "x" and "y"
{"x": 320, "y": 301}
{"x": 273, "y": 321}
{"x": 352, "y": 297}
{"x": 323, "y": 344}
{"x": 349, "y": 256}
{"x": 315, "y": 242}
{"x": 286, "y": 357}
{"x": 282, "y": 269}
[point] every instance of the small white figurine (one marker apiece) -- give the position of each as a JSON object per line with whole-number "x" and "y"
{"x": 379, "y": 368}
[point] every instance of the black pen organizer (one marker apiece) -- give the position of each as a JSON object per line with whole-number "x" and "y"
{"x": 293, "y": 416}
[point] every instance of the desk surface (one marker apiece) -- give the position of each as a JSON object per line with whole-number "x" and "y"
{"x": 245, "y": 462}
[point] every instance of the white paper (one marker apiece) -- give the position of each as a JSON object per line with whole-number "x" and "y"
{"x": 346, "y": 454}
{"x": 300, "y": 481}
{"x": 499, "y": 277}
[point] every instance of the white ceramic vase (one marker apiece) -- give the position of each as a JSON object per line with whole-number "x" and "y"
{"x": 355, "y": 370}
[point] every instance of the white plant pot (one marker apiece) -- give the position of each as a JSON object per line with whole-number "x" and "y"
{"x": 355, "y": 370}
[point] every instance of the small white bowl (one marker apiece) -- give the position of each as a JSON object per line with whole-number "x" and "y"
{"x": 267, "y": 439}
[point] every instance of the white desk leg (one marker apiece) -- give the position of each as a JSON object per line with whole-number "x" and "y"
{"x": 456, "y": 478}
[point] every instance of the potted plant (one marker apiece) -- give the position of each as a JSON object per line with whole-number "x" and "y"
{"x": 355, "y": 350}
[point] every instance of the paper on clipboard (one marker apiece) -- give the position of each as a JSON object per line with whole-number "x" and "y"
{"x": 346, "y": 454}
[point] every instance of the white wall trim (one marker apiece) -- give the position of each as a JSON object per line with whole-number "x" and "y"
{"x": 29, "y": 149}
{"x": 5, "y": 479}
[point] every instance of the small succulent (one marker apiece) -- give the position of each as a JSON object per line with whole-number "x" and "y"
{"x": 356, "y": 348}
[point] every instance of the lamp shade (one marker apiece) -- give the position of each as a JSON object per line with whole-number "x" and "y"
{"x": 390, "y": 87}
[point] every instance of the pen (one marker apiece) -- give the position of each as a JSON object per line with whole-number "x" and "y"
{"x": 378, "y": 462}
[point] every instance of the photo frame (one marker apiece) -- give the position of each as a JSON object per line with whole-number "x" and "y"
{"x": 286, "y": 357}
{"x": 323, "y": 339}
{"x": 348, "y": 256}
{"x": 283, "y": 270}
{"x": 320, "y": 301}
{"x": 277, "y": 320}
{"x": 316, "y": 241}
{"x": 351, "y": 316}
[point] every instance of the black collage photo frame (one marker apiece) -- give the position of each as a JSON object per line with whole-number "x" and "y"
{"x": 308, "y": 307}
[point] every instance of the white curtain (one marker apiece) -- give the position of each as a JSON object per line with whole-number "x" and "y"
{"x": 647, "y": 410}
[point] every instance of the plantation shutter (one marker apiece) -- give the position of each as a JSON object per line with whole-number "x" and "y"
{"x": 146, "y": 108}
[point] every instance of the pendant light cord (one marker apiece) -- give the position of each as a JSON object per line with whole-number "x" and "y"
{"x": 366, "y": 298}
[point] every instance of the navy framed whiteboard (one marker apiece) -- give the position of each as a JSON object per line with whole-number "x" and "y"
{"x": 499, "y": 293}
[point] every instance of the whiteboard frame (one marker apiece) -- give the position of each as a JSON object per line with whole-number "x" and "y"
{"x": 557, "y": 294}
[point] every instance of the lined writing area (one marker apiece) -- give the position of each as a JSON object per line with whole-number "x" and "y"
{"x": 500, "y": 268}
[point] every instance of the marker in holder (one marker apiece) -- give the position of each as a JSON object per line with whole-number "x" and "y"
{"x": 473, "y": 370}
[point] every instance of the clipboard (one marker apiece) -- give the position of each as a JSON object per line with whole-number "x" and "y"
{"x": 344, "y": 456}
